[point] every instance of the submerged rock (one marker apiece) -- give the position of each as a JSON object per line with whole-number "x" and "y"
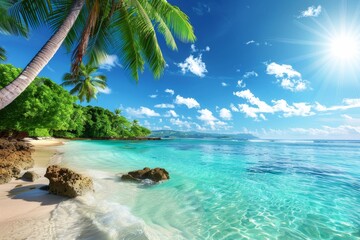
{"x": 30, "y": 176}
{"x": 156, "y": 175}
{"x": 66, "y": 182}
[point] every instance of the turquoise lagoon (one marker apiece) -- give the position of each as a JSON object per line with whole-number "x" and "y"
{"x": 219, "y": 189}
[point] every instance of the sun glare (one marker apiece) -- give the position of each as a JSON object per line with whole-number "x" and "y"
{"x": 344, "y": 48}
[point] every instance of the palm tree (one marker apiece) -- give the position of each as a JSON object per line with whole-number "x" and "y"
{"x": 2, "y": 54}
{"x": 86, "y": 83}
{"x": 93, "y": 28}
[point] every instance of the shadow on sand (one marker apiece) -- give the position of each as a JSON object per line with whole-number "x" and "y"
{"x": 35, "y": 193}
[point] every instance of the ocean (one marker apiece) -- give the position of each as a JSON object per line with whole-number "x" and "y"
{"x": 218, "y": 189}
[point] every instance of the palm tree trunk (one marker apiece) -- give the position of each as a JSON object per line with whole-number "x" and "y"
{"x": 16, "y": 87}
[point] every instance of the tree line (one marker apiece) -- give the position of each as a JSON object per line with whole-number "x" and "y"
{"x": 47, "y": 109}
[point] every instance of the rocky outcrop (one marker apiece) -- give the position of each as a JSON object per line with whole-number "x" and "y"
{"x": 30, "y": 176}
{"x": 15, "y": 156}
{"x": 65, "y": 182}
{"x": 156, "y": 175}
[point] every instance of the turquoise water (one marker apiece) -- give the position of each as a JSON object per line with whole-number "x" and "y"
{"x": 219, "y": 189}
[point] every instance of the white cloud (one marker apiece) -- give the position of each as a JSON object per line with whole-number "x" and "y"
{"x": 153, "y": 96}
{"x": 189, "y": 102}
{"x": 106, "y": 90}
{"x": 208, "y": 118}
{"x": 250, "y": 42}
{"x": 109, "y": 62}
{"x": 164, "y": 105}
{"x": 327, "y": 132}
{"x": 171, "y": 113}
{"x": 180, "y": 123}
{"x": 281, "y": 70}
{"x": 311, "y": 11}
{"x": 225, "y": 114}
{"x": 206, "y": 115}
{"x": 348, "y": 104}
{"x": 234, "y": 108}
{"x": 250, "y": 74}
{"x": 259, "y": 107}
{"x": 346, "y": 117}
{"x": 207, "y": 49}
{"x": 193, "y": 48}
{"x": 241, "y": 84}
{"x": 194, "y": 65}
{"x": 141, "y": 112}
{"x": 172, "y": 92}
{"x": 224, "y": 84}
{"x": 288, "y": 78}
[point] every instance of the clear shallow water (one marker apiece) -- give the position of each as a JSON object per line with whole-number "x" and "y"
{"x": 218, "y": 189}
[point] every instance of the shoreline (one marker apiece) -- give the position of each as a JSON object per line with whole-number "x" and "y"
{"x": 25, "y": 209}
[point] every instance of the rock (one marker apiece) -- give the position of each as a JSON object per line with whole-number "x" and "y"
{"x": 5, "y": 175}
{"x": 156, "y": 175}
{"x": 14, "y": 157}
{"x": 30, "y": 176}
{"x": 66, "y": 182}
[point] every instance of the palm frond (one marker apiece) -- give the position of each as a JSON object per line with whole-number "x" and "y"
{"x": 2, "y": 54}
{"x": 9, "y": 25}
{"x": 30, "y": 13}
{"x": 126, "y": 43}
{"x": 147, "y": 39}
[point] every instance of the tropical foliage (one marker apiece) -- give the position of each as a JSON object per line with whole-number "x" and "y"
{"x": 2, "y": 54}
{"x": 86, "y": 82}
{"x": 47, "y": 109}
{"x": 93, "y": 28}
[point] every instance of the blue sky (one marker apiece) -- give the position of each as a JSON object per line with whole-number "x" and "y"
{"x": 276, "y": 69}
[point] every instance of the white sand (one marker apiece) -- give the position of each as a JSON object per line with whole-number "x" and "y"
{"x": 25, "y": 210}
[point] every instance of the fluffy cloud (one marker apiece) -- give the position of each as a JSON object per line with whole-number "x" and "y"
{"x": 164, "y": 105}
{"x": 106, "y": 90}
{"x": 189, "y": 102}
{"x": 194, "y": 49}
{"x": 225, "y": 114}
{"x": 153, "y": 96}
{"x": 348, "y": 104}
{"x": 224, "y": 84}
{"x": 171, "y": 113}
{"x": 172, "y": 92}
{"x": 208, "y": 118}
{"x": 234, "y": 108}
{"x": 327, "y": 132}
{"x": 250, "y": 74}
{"x": 241, "y": 84}
{"x": 179, "y": 123}
{"x": 109, "y": 62}
{"x": 311, "y": 11}
{"x": 258, "y": 107}
{"x": 288, "y": 78}
{"x": 141, "y": 112}
{"x": 194, "y": 65}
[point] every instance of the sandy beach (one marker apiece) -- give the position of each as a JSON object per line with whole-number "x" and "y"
{"x": 25, "y": 209}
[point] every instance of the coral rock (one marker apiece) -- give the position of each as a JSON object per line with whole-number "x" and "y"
{"x": 66, "y": 182}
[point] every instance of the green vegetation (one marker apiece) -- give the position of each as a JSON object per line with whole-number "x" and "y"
{"x": 92, "y": 28}
{"x": 47, "y": 109}
{"x": 2, "y": 54}
{"x": 86, "y": 82}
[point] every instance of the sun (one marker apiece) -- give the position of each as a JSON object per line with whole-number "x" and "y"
{"x": 344, "y": 48}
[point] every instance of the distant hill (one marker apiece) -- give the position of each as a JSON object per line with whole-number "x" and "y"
{"x": 193, "y": 134}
